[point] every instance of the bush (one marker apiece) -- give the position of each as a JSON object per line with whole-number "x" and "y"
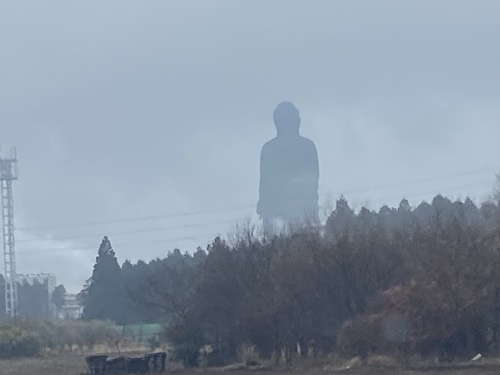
{"x": 360, "y": 336}
{"x": 449, "y": 310}
{"x": 29, "y": 337}
{"x": 186, "y": 354}
{"x": 248, "y": 354}
{"x": 94, "y": 333}
{"x": 17, "y": 342}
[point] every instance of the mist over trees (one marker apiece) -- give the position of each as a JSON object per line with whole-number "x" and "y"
{"x": 415, "y": 280}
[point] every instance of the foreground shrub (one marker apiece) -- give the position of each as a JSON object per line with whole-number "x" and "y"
{"x": 29, "y": 337}
{"x": 95, "y": 333}
{"x": 17, "y": 342}
{"x": 449, "y": 310}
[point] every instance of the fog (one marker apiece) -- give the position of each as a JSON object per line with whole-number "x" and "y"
{"x": 158, "y": 110}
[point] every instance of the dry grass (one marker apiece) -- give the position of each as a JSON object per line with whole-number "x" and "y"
{"x": 66, "y": 364}
{"x": 58, "y": 364}
{"x": 73, "y": 364}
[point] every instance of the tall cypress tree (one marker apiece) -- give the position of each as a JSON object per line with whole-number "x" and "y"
{"x": 103, "y": 295}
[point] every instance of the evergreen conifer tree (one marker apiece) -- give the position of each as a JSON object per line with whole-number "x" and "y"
{"x": 103, "y": 296}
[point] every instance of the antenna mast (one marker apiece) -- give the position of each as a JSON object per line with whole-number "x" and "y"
{"x": 8, "y": 173}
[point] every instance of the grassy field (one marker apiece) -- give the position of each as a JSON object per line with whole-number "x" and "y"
{"x": 139, "y": 330}
{"x": 73, "y": 364}
{"x": 66, "y": 364}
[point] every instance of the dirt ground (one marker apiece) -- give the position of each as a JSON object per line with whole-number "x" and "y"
{"x": 73, "y": 364}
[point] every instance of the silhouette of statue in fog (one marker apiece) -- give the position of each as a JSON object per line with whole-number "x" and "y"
{"x": 289, "y": 172}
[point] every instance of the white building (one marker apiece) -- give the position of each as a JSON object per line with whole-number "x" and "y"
{"x": 72, "y": 308}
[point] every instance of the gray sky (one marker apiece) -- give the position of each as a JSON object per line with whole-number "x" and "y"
{"x": 124, "y": 109}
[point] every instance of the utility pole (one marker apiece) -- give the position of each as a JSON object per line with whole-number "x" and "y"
{"x": 8, "y": 173}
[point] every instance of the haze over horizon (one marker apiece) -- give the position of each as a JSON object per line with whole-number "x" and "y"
{"x": 158, "y": 110}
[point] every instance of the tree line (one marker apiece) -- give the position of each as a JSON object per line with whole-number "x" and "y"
{"x": 408, "y": 279}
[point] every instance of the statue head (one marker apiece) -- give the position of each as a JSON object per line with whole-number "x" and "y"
{"x": 287, "y": 119}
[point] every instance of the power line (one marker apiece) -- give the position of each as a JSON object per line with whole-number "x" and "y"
{"x": 135, "y": 231}
{"x": 246, "y": 206}
{"x": 421, "y": 180}
{"x": 139, "y": 218}
{"x": 116, "y": 245}
{"x": 434, "y": 190}
{"x": 198, "y": 236}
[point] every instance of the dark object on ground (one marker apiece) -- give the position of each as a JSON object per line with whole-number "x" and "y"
{"x": 138, "y": 365}
{"x": 156, "y": 361}
{"x": 117, "y": 365}
{"x": 96, "y": 364}
{"x": 149, "y": 363}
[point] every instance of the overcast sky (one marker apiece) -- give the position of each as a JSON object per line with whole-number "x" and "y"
{"x": 127, "y": 109}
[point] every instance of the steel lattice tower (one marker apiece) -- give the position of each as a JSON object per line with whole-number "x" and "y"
{"x": 8, "y": 173}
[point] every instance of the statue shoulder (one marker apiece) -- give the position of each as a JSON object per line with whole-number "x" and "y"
{"x": 269, "y": 145}
{"x": 308, "y": 143}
